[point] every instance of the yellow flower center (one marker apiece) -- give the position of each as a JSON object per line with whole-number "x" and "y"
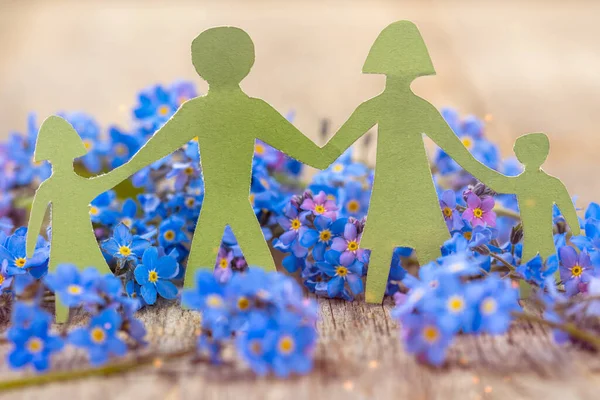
{"x": 331, "y": 197}
{"x": 94, "y": 210}
{"x": 189, "y": 170}
{"x": 120, "y": 149}
{"x": 163, "y": 110}
{"x": 467, "y": 141}
{"x": 88, "y": 144}
{"x": 319, "y": 209}
{"x": 296, "y": 224}
{"x": 325, "y": 235}
{"x": 190, "y": 202}
{"x": 152, "y": 276}
{"x": 74, "y": 289}
{"x": 243, "y": 303}
{"x": 252, "y": 198}
{"x": 489, "y": 306}
{"x": 259, "y": 149}
{"x": 576, "y": 271}
{"x": 456, "y": 304}
{"x": 431, "y": 334}
{"x": 447, "y": 212}
{"x": 98, "y": 335}
{"x": 127, "y": 222}
{"x": 353, "y": 245}
{"x": 338, "y": 168}
{"x": 265, "y": 183}
{"x": 478, "y": 213}
{"x": 214, "y": 301}
{"x": 256, "y": 347}
{"x": 125, "y": 251}
{"x": 353, "y": 206}
{"x": 20, "y": 262}
{"x": 468, "y": 235}
{"x": 340, "y": 270}
{"x": 2, "y": 279}
{"x": 223, "y": 263}
{"x": 34, "y": 345}
{"x": 286, "y": 344}
{"x": 169, "y": 235}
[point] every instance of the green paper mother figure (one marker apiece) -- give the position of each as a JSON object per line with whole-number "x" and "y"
{"x": 69, "y": 194}
{"x": 227, "y": 123}
{"x": 404, "y": 209}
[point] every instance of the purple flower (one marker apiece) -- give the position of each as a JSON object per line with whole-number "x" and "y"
{"x": 479, "y": 211}
{"x": 320, "y": 205}
{"x": 223, "y": 269}
{"x": 293, "y": 222}
{"x": 575, "y": 269}
{"x": 348, "y": 244}
{"x": 448, "y": 206}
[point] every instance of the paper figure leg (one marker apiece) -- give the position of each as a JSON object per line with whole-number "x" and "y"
{"x": 204, "y": 248}
{"x": 249, "y": 235}
{"x": 62, "y": 311}
{"x": 378, "y": 273}
{"x": 429, "y": 249}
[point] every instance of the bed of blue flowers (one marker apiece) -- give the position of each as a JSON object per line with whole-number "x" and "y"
{"x": 144, "y": 228}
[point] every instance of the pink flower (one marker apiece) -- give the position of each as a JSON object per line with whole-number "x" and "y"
{"x": 320, "y": 205}
{"x": 479, "y": 211}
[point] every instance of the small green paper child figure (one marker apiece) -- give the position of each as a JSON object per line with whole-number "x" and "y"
{"x": 72, "y": 237}
{"x": 404, "y": 209}
{"x": 536, "y": 192}
{"x": 227, "y": 123}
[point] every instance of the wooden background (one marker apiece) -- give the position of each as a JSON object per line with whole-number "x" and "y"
{"x": 526, "y": 65}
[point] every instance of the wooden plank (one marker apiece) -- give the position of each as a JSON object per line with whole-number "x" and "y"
{"x": 358, "y": 356}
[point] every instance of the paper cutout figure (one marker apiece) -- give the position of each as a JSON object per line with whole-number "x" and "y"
{"x": 226, "y": 122}
{"x": 536, "y": 192}
{"x": 72, "y": 237}
{"x": 404, "y": 209}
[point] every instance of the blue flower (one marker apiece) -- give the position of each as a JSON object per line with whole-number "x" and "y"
{"x": 183, "y": 172}
{"x": 124, "y": 246}
{"x": 424, "y": 338}
{"x": 497, "y": 301}
{"x": 322, "y": 235}
{"x": 170, "y": 232}
{"x": 33, "y": 343}
{"x": 355, "y": 199}
{"x": 101, "y": 211}
{"x": 74, "y": 287}
{"x": 89, "y": 130}
{"x": 341, "y": 271}
{"x": 575, "y": 269}
{"x": 294, "y": 222}
{"x": 451, "y": 215}
{"x": 100, "y": 337}
{"x": 294, "y": 344}
{"x": 123, "y": 146}
{"x": 207, "y": 296}
{"x": 536, "y": 271}
{"x": 14, "y": 252}
{"x": 154, "y": 274}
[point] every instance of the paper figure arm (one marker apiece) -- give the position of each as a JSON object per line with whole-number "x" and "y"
{"x": 361, "y": 120}
{"x": 102, "y": 183}
{"x": 439, "y": 131}
{"x": 36, "y": 218}
{"x": 176, "y": 132}
{"x": 565, "y": 204}
{"x": 279, "y": 133}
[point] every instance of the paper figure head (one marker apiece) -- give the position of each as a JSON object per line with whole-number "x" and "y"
{"x": 58, "y": 141}
{"x": 532, "y": 149}
{"x": 223, "y": 55}
{"x": 400, "y": 51}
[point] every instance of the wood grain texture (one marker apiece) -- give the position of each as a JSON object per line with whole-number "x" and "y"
{"x": 359, "y": 356}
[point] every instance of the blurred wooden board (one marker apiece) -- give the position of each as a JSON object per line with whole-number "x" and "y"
{"x": 358, "y": 357}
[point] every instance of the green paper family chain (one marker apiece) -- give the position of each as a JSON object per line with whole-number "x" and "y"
{"x": 227, "y": 122}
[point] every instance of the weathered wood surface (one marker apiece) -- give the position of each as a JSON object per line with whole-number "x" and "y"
{"x": 532, "y": 65}
{"x": 358, "y": 357}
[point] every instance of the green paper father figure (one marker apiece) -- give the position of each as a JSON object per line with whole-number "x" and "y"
{"x": 227, "y": 122}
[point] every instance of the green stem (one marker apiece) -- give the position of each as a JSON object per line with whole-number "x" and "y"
{"x": 502, "y": 261}
{"x": 110, "y": 369}
{"x": 567, "y": 327}
{"x": 505, "y": 212}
